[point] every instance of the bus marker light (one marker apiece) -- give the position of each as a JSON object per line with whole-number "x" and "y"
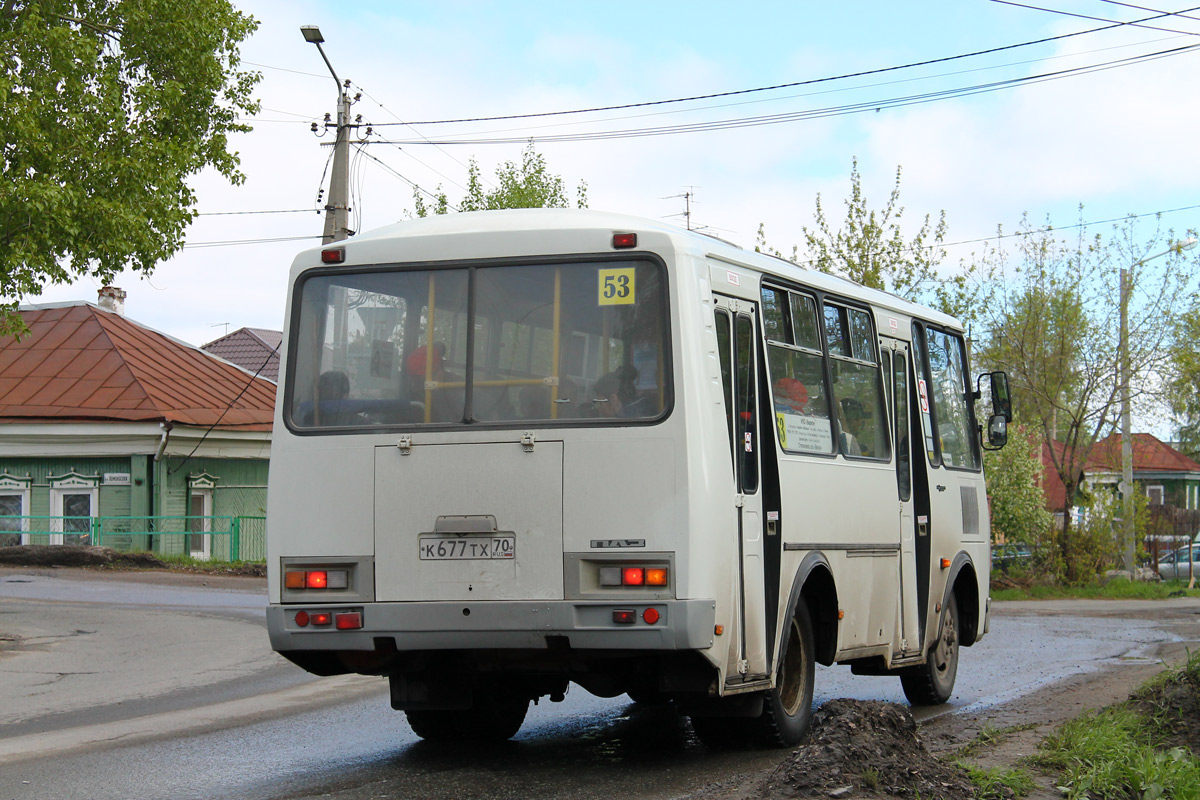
{"x": 622, "y": 241}
{"x": 945, "y": 563}
{"x": 634, "y": 576}
{"x": 333, "y": 255}
{"x": 656, "y": 576}
{"x": 348, "y": 621}
{"x": 293, "y": 580}
{"x": 316, "y": 579}
{"x": 302, "y": 619}
{"x": 841, "y": 614}
{"x": 610, "y": 576}
{"x": 624, "y": 616}
{"x": 718, "y": 630}
{"x": 322, "y": 618}
{"x": 650, "y": 615}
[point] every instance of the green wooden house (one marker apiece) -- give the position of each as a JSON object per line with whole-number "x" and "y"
{"x": 112, "y": 433}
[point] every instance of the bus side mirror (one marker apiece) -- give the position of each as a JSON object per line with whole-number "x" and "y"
{"x": 997, "y": 434}
{"x": 1001, "y": 399}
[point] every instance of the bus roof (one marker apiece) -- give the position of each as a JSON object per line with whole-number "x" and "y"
{"x": 382, "y": 245}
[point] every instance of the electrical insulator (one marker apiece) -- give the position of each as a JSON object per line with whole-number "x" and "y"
{"x": 314, "y": 127}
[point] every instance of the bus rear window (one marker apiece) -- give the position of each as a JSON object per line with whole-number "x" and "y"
{"x": 566, "y": 342}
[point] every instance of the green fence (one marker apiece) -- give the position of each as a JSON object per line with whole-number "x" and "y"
{"x": 219, "y": 538}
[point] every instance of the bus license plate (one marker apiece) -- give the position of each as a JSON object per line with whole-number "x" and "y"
{"x": 466, "y": 548}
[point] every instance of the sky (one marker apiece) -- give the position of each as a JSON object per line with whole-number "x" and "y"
{"x": 1112, "y": 127}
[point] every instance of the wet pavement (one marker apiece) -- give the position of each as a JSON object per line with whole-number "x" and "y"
{"x": 209, "y": 712}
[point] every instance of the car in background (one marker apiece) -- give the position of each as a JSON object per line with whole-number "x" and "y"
{"x": 1007, "y": 556}
{"x": 1174, "y": 565}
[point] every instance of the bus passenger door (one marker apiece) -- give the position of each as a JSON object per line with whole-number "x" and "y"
{"x": 896, "y": 362}
{"x": 737, "y": 336}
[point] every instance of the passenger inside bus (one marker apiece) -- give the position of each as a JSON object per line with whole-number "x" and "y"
{"x": 850, "y": 444}
{"x": 615, "y": 394}
{"x": 535, "y": 402}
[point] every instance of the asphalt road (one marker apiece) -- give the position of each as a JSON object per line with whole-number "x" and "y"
{"x": 121, "y": 689}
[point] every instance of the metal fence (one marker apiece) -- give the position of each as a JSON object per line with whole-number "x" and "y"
{"x": 217, "y": 538}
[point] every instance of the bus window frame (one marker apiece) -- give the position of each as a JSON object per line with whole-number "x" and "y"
{"x": 923, "y": 370}
{"x": 873, "y": 342}
{"x": 819, "y": 298}
{"x": 297, "y": 305}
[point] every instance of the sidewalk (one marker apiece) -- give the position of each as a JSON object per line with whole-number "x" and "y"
{"x": 88, "y": 657}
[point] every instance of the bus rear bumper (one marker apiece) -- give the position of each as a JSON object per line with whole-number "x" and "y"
{"x": 680, "y": 625}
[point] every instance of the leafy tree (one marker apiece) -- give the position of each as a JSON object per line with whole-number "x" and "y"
{"x": 1051, "y": 321}
{"x": 109, "y": 106}
{"x": 1183, "y": 379}
{"x": 1015, "y": 496}
{"x": 526, "y": 185}
{"x": 870, "y": 248}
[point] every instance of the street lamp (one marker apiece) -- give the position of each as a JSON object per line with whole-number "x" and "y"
{"x": 337, "y": 209}
{"x": 1126, "y": 416}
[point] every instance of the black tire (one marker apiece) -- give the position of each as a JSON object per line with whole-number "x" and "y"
{"x": 723, "y": 733}
{"x": 933, "y": 683}
{"x": 493, "y": 718}
{"x": 646, "y": 697}
{"x": 787, "y": 709}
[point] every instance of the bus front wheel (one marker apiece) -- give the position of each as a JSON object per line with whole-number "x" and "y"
{"x": 932, "y": 683}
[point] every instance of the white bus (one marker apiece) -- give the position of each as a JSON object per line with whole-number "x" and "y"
{"x": 519, "y": 449}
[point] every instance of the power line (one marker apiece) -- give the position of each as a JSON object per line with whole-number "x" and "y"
{"x": 793, "y": 84}
{"x": 1050, "y": 228}
{"x": 396, "y": 173}
{"x": 231, "y": 242}
{"x": 236, "y": 213}
{"x": 1179, "y": 14}
{"x": 1136, "y": 24}
{"x": 796, "y": 116}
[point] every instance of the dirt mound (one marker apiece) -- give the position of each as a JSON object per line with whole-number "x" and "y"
{"x": 70, "y": 555}
{"x": 1174, "y": 703}
{"x": 865, "y": 749}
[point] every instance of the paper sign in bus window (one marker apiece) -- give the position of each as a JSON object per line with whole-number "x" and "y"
{"x": 618, "y": 286}
{"x": 803, "y": 433}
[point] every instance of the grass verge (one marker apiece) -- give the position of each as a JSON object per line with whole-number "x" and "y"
{"x": 1117, "y": 589}
{"x": 1142, "y": 748}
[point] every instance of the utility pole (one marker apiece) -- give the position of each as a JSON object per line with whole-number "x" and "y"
{"x": 337, "y": 209}
{"x": 1125, "y": 368}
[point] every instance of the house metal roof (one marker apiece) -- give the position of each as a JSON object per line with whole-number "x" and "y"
{"x": 80, "y": 362}
{"x": 1149, "y": 455}
{"x": 253, "y": 349}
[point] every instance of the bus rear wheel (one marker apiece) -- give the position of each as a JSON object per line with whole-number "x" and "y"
{"x": 932, "y": 683}
{"x": 494, "y": 717}
{"x": 787, "y": 709}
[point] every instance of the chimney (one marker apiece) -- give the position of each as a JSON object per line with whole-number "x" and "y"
{"x": 112, "y": 299}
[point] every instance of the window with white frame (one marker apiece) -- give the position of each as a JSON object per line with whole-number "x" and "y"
{"x": 1156, "y": 494}
{"x": 14, "y": 510}
{"x": 74, "y": 501}
{"x": 199, "y": 516}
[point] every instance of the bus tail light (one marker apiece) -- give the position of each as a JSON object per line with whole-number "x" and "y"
{"x": 625, "y": 616}
{"x": 633, "y": 576}
{"x": 650, "y": 616}
{"x": 348, "y": 621}
{"x": 316, "y": 579}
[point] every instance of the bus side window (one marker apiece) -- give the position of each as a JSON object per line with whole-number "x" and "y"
{"x": 746, "y": 443}
{"x": 725, "y": 352}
